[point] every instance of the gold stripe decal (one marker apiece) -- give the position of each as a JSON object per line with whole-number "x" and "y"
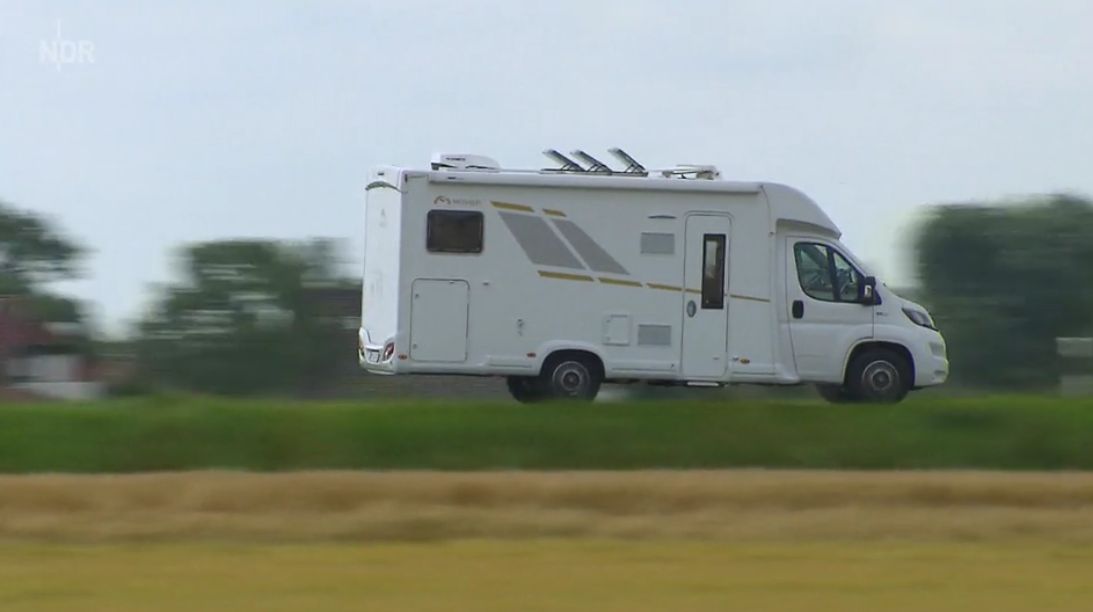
{"x": 564, "y": 276}
{"x": 507, "y": 206}
{"x": 617, "y": 281}
{"x": 553, "y": 213}
{"x": 749, "y": 298}
{"x": 629, "y": 283}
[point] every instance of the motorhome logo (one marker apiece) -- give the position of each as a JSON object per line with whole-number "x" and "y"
{"x": 446, "y": 201}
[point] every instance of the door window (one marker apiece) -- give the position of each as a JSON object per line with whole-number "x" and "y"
{"x": 713, "y": 271}
{"x": 847, "y": 278}
{"x": 825, "y": 274}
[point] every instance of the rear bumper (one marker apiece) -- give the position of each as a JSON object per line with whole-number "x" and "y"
{"x": 370, "y": 356}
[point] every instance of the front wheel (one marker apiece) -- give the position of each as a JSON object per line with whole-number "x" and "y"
{"x": 879, "y": 376}
{"x": 525, "y": 389}
{"x": 835, "y": 394}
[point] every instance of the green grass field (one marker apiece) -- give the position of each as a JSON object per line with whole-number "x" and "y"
{"x": 1007, "y": 433}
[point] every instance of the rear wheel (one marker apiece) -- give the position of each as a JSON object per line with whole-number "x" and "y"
{"x": 575, "y": 377}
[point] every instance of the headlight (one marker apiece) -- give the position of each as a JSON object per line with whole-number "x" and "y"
{"x": 919, "y": 318}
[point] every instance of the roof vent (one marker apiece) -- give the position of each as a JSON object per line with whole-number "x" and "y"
{"x": 463, "y": 161}
{"x": 699, "y": 171}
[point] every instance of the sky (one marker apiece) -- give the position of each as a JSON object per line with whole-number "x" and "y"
{"x": 196, "y": 120}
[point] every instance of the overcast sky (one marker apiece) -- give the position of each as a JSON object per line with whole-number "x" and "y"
{"x": 200, "y": 119}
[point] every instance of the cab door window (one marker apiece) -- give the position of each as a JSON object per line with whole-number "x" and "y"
{"x": 847, "y": 278}
{"x": 825, "y": 274}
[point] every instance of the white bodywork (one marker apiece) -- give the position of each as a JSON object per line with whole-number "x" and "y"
{"x": 612, "y": 265}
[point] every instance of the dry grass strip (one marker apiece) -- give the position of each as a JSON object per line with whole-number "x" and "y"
{"x": 569, "y": 576}
{"x": 755, "y": 506}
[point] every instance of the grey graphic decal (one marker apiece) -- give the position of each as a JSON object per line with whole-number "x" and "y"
{"x": 540, "y": 243}
{"x": 592, "y": 253}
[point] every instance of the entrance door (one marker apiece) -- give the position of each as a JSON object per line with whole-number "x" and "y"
{"x": 438, "y": 320}
{"x": 705, "y": 307}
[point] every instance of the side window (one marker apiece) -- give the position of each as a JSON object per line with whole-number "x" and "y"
{"x": 847, "y": 279}
{"x": 825, "y": 274}
{"x": 814, "y": 270}
{"x": 713, "y": 272}
{"x": 454, "y": 231}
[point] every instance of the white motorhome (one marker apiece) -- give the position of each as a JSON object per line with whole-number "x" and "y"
{"x": 565, "y": 278}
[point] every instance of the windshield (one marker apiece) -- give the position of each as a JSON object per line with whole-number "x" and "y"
{"x": 865, "y": 268}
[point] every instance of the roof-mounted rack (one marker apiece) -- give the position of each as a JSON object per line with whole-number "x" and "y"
{"x": 632, "y": 165}
{"x": 594, "y": 165}
{"x": 567, "y": 165}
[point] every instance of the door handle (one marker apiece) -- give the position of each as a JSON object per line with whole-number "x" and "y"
{"x": 798, "y": 309}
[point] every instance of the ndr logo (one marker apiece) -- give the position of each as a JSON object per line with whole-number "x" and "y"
{"x": 63, "y": 51}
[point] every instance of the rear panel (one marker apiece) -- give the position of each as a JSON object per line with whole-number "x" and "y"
{"x": 380, "y": 297}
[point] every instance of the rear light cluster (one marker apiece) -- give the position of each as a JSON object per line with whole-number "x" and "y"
{"x": 388, "y": 351}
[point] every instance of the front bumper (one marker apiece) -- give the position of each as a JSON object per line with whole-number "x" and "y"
{"x": 933, "y": 367}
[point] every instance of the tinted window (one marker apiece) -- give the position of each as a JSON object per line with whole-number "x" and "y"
{"x": 454, "y": 231}
{"x": 847, "y": 278}
{"x": 713, "y": 271}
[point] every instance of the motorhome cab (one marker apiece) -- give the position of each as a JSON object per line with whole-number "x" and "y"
{"x": 565, "y": 278}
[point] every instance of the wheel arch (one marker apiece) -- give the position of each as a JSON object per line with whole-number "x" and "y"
{"x": 865, "y": 345}
{"x": 591, "y": 357}
{"x": 554, "y": 350}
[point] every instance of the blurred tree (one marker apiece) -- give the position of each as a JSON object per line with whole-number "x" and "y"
{"x": 33, "y": 254}
{"x": 242, "y": 319}
{"x": 1003, "y": 281}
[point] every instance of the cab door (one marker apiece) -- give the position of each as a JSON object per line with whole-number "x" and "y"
{"x": 825, "y": 317}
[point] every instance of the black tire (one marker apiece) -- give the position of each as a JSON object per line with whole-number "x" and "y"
{"x": 879, "y": 376}
{"x": 571, "y": 378}
{"x": 835, "y": 394}
{"x": 524, "y": 389}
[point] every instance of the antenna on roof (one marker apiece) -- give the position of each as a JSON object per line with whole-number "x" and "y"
{"x": 567, "y": 165}
{"x": 632, "y": 165}
{"x": 594, "y": 165}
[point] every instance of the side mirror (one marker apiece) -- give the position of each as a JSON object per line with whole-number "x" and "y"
{"x": 867, "y": 291}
